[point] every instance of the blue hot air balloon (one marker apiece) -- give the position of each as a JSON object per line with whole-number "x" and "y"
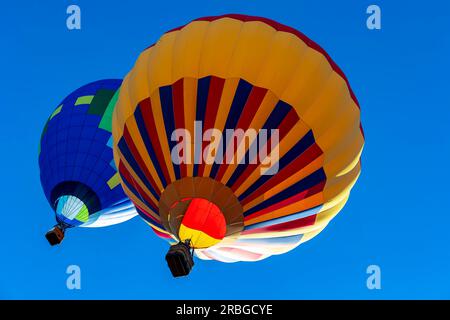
{"x": 77, "y": 170}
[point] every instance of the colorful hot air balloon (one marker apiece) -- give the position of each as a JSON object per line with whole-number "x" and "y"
{"x": 282, "y": 185}
{"x": 77, "y": 169}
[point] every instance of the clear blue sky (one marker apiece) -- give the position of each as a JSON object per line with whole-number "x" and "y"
{"x": 397, "y": 216}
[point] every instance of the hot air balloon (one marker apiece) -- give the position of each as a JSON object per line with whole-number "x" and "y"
{"x": 236, "y": 137}
{"x": 77, "y": 170}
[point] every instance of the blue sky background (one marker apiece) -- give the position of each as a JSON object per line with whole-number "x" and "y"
{"x": 397, "y": 216}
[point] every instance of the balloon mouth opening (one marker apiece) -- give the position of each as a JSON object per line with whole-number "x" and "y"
{"x": 55, "y": 236}
{"x": 70, "y": 210}
{"x": 201, "y": 210}
{"x": 202, "y": 223}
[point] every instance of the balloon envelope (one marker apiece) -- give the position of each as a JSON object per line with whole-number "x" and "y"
{"x": 77, "y": 171}
{"x": 293, "y": 165}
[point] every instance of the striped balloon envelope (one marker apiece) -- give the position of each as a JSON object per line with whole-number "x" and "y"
{"x": 77, "y": 170}
{"x": 239, "y": 135}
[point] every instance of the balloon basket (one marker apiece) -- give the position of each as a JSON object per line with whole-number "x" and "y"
{"x": 55, "y": 236}
{"x": 180, "y": 259}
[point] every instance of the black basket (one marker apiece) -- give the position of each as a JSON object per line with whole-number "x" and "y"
{"x": 180, "y": 259}
{"x": 55, "y": 236}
